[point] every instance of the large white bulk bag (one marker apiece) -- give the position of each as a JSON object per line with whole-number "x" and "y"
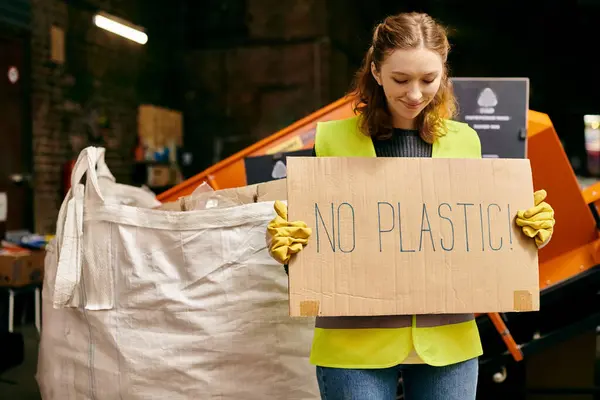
{"x": 117, "y": 193}
{"x": 150, "y": 304}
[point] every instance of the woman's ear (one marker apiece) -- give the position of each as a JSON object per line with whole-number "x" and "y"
{"x": 375, "y": 73}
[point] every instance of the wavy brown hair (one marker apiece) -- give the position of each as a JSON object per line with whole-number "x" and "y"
{"x": 403, "y": 31}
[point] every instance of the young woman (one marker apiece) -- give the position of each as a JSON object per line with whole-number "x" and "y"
{"x": 404, "y": 109}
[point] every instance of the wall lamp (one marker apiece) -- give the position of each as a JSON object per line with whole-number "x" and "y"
{"x": 120, "y": 27}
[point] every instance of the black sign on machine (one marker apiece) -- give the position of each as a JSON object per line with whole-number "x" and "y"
{"x": 267, "y": 168}
{"x": 497, "y": 109}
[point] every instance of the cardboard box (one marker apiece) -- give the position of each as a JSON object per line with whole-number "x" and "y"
{"x": 402, "y": 236}
{"x": 272, "y": 191}
{"x": 268, "y": 191}
{"x": 22, "y": 269}
{"x": 159, "y": 175}
{"x": 159, "y": 127}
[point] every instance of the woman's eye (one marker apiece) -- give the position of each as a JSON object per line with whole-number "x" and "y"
{"x": 400, "y": 82}
{"x": 427, "y": 82}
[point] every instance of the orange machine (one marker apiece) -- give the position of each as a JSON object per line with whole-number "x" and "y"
{"x": 572, "y": 252}
{"x": 231, "y": 172}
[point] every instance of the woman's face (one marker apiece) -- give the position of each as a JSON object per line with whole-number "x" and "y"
{"x": 410, "y": 80}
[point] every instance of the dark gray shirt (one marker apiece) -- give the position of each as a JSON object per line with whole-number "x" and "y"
{"x": 403, "y": 143}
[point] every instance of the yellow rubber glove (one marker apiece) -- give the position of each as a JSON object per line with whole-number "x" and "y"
{"x": 286, "y": 238}
{"x": 538, "y": 221}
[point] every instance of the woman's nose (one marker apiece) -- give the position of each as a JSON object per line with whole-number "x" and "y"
{"x": 414, "y": 95}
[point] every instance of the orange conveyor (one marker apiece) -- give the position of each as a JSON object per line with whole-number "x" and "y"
{"x": 575, "y": 244}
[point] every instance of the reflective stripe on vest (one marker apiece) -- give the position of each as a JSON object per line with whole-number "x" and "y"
{"x": 385, "y": 341}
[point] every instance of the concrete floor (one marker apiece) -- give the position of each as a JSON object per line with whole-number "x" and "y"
{"x": 19, "y": 383}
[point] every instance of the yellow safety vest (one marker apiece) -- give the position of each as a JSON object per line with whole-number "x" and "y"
{"x": 382, "y": 342}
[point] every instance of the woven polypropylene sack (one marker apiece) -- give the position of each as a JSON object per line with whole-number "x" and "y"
{"x": 117, "y": 193}
{"x": 150, "y": 304}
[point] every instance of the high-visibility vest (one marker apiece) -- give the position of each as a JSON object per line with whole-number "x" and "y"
{"x": 386, "y": 341}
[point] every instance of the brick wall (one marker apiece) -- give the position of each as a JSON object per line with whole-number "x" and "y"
{"x": 256, "y": 66}
{"x": 265, "y": 68}
{"x": 250, "y": 68}
{"x": 92, "y": 98}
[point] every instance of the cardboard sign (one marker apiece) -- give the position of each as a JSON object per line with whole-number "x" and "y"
{"x": 397, "y": 236}
{"x": 497, "y": 109}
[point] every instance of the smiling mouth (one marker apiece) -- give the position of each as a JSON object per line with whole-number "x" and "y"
{"x": 413, "y": 105}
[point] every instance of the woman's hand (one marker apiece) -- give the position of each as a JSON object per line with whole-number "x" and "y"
{"x": 285, "y": 238}
{"x": 538, "y": 221}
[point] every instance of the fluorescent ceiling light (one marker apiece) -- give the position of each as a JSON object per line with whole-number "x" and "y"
{"x": 113, "y": 25}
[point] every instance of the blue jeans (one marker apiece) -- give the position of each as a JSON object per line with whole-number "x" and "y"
{"x": 420, "y": 382}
